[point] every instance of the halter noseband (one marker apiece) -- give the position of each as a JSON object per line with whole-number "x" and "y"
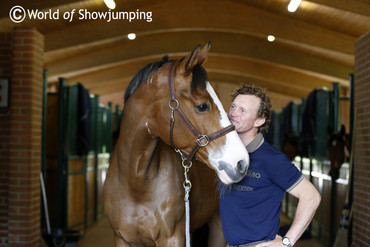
{"x": 202, "y": 140}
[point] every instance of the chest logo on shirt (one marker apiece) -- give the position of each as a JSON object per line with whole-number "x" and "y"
{"x": 239, "y": 187}
{"x": 253, "y": 174}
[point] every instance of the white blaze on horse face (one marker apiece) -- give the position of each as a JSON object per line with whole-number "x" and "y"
{"x": 232, "y": 160}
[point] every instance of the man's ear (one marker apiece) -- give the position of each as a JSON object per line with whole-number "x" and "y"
{"x": 259, "y": 122}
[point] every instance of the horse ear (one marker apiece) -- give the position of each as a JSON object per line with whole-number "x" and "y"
{"x": 343, "y": 130}
{"x": 330, "y": 131}
{"x": 198, "y": 56}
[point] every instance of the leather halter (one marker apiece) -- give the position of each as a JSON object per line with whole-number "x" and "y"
{"x": 202, "y": 140}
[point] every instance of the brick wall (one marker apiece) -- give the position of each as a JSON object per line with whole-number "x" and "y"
{"x": 361, "y": 193}
{"x": 5, "y": 73}
{"x": 20, "y": 135}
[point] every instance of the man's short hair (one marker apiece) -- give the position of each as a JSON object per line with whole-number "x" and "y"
{"x": 264, "y": 110}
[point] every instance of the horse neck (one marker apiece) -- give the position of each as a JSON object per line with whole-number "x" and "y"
{"x": 137, "y": 144}
{"x": 134, "y": 145}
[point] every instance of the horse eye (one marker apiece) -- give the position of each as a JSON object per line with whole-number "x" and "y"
{"x": 202, "y": 108}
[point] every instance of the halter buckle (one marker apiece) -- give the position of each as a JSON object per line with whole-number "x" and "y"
{"x": 176, "y": 104}
{"x": 203, "y": 140}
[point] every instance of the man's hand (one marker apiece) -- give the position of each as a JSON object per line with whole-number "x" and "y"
{"x": 277, "y": 242}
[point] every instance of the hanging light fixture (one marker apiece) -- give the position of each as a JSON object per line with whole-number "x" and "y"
{"x": 293, "y": 5}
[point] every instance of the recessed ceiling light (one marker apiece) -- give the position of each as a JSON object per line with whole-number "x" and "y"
{"x": 271, "y": 38}
{"x": 131, "y": 36}
{"x": 293, "y": 5}
{"x": 110, "y": 4}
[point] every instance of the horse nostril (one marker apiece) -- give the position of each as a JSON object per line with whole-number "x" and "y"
{"x": 241, "y": 166}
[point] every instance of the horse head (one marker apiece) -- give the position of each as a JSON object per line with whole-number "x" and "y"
{"x": 290, "y": 145}
{"x": 201, "y": 127}
{"x": 338, "y": 150}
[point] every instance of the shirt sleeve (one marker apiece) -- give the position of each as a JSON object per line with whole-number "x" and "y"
{"x": 283, "y": 172}
{"x": 295, "y": 184}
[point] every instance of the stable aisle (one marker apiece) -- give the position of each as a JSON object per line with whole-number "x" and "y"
{"x": 101, "y": 235}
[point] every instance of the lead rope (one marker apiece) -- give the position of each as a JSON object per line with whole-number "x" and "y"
{"x": 187, "y": 213}
{"x": 187, "y": 188}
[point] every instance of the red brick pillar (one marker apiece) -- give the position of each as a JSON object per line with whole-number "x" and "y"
{"x": 24, "y": 141}
{"x": 361, "y": 193}
{"x": 5, "y": 73}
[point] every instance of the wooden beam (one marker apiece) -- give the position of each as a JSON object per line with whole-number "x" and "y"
{"x": 230, "y": 69}
{"x": 361, "y": 7}
{"x": 243, "y": 46}
{"x": 121, "y": 70}
{"x": 109, "y": 87}
{"x": 225, "y": 15}
{"x": 281, "y": 88}
{"x": 263, "y": 70}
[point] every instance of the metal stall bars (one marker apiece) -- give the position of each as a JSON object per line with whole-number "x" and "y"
{"x": 322, "y": 110}
{"x": 74, "y": 178}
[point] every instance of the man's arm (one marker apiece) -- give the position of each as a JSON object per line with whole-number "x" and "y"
{"x": 308, "y": 201}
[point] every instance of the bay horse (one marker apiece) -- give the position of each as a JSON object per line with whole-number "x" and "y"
{"x": 338, "y": 150}
{"x": 290, "y": 146}
{"x": 167, "y": 105}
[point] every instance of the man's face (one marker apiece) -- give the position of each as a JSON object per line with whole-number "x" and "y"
{"x": 243, "y": 113}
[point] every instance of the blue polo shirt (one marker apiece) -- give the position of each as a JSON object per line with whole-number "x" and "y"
{"x": 250, "y": 209}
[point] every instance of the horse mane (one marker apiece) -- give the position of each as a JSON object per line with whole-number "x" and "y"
{"x": 198, "y": 80}
{"x": 143, "y": 75}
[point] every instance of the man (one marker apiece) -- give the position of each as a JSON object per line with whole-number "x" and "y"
{"x": 250, "y": 209}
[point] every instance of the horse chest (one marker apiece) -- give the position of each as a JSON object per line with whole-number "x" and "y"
{"x": 145, "y": 222}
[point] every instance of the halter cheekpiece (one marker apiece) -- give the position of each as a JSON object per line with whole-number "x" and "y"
{"x": 202, "y": 140}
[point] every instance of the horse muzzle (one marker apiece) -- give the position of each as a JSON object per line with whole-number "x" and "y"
{"x": 234, "y": 174}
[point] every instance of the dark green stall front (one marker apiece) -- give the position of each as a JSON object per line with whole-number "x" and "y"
{"x": 74, "y": 178}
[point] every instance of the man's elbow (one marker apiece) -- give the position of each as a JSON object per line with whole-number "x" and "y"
{"x": 316, "y": 199}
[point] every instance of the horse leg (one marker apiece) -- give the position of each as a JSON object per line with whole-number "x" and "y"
{"x": 215, "y": 237}
{"x": 178, "y": 239}
{"x": 119, "y": 242}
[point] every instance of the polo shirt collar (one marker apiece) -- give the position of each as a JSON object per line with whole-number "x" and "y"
{"x": 255, "y": 143}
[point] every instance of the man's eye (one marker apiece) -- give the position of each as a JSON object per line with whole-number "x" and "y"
{"x": 202, "y": 108}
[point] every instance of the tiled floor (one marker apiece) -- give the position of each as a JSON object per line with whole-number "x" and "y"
{"x": 100, "y": 235}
